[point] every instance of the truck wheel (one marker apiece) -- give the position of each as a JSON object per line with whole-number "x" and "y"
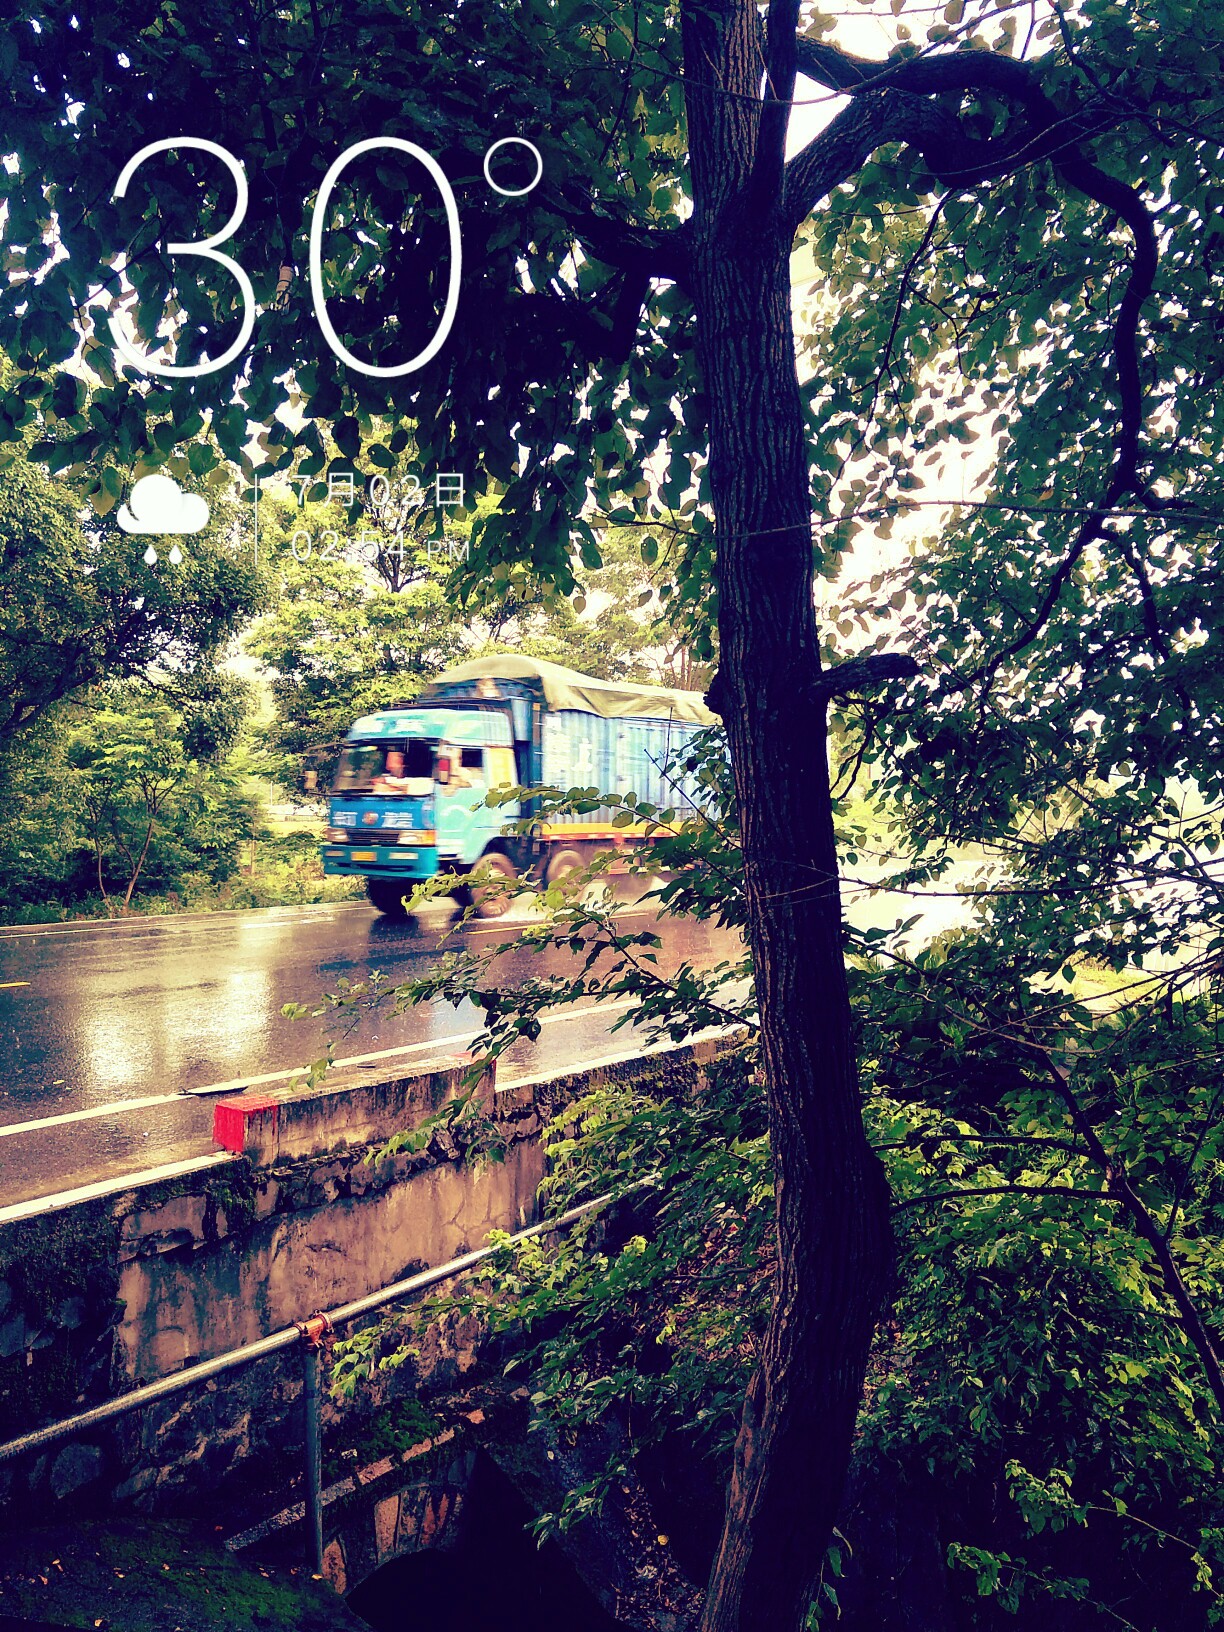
{"x": 387, "y": 894}
{"x": 560, "y": 864}
{"x": 492, "y": 900}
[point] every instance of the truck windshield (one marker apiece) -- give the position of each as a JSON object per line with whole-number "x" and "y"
{"x": 362, "y": 762}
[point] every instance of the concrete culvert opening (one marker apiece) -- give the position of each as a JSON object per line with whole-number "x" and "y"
{"x": 492, "y": 1575}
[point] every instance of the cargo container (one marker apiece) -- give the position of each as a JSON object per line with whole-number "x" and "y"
{"x": 407, "y": 800}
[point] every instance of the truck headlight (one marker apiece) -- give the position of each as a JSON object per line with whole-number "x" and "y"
{"x": 336, "y": 835}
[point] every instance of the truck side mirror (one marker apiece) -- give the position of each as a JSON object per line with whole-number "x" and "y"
{"x": 310, "y": 781}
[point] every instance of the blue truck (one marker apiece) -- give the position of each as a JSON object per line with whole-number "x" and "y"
{"x": 406, "y": 802}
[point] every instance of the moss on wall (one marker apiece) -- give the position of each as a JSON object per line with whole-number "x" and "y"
{"x": 390, "y": 1431}
{"x": 60, "y": 1277}
{"x": 59, "y": 1254}
{"x": 235, "y": 1192}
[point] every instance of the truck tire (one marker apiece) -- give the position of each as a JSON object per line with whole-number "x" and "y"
{"x": 387, "y": 894}
{"x": 561, "y": 863}
{"x": 494, "y": 901}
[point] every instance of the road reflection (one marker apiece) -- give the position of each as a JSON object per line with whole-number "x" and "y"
{"x": 118, "y": 1012}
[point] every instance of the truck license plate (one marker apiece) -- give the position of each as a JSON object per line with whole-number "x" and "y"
{"x": 363, "y": 855}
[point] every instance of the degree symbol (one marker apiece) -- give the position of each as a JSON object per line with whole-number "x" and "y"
{"x": 514, "y": 192}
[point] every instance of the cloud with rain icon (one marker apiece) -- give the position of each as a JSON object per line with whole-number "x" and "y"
{"x": 159, "y": 505}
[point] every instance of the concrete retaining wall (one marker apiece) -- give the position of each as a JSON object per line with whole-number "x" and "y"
{"x": 124, "y": 1288}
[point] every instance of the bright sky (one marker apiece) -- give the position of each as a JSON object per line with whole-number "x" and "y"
{"x": 871, "y": 31}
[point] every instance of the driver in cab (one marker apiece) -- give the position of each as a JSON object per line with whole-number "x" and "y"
{"x": 391, "y": 778}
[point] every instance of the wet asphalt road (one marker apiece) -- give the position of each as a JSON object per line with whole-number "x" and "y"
{"x": 96, "y": 1016}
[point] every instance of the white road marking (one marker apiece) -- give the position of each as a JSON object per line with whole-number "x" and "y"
{"x": 107, "y": 1187}
{"x": 168, "y": 922}
{"x": 84, "y": 1116}
{"x": 238, "y": 1083}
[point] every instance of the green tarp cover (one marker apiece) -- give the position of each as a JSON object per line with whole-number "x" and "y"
{"x": 563, "y": 688}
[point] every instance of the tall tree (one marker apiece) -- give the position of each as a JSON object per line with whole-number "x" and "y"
{"x": 616, "y": 626}
{"x": 635, "y": 306}
{"x": 131, "y": 767}
{"x": 365, "y": 612}
{"x": 80, "y": 605}
{"x": 337, "y": 648}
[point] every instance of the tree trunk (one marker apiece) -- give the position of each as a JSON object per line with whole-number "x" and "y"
{"x": 834, "y": 1248}
{"x": 95, "y": 819}
{"x": 139, "y": 865}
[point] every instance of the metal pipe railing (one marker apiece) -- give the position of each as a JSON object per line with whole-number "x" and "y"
{"x": 311, "y": 1334}
{"x": 312, "y": 1377}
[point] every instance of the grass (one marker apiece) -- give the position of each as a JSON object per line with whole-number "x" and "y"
{"x": 130, "y": 1575}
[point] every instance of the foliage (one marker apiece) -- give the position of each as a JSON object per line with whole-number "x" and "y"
{"x": 507, "y": 383}
{"x": 39, "y": 839}
{"x": 79, "y": 606}
{"x": 112, "y": 700}
{"x": 337, "y": 641}
{"x": 615, "y": 626}
{"x": 109, "y": 807}
{"x": 151, "y": 812}
{"x": 389, "y": 1431}
{"x": 362, "y": 623}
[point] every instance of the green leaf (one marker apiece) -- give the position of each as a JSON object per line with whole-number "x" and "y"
{"x": 346, "y": 433}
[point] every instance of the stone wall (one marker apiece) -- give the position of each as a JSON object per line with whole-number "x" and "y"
{"x": 123, "y": 1289}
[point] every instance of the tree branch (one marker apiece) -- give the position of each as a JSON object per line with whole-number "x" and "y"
{"x": 924, "y": 1136}
{"x": 968, "y": 69}
{"x": 851, "y": 678}
{"x": 630, "y": 249}
{"x": 781, "y": 71}
{"x": 901, "y": 112}
{"x": 904, "y": 111}
{"x": 885, "y": 364}
{"x": 1119, "y": 1186}
{"x": 1006, "y": 1190}
{"x": 866, "y": 673}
